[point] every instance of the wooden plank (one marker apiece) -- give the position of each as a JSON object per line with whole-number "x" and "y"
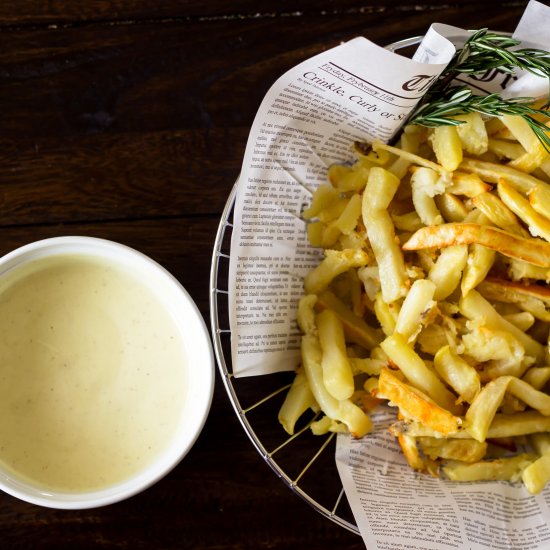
{"x": 117, "y": 122}
{"x": 35, "y": 12}
{"x": 118, "y": 176}
{"x": 105, "y": 78}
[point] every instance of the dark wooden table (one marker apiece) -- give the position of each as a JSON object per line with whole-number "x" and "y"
{"x": 127, "y": 120}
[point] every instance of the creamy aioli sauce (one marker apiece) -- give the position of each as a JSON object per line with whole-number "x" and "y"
{"x": 92, "y": 373}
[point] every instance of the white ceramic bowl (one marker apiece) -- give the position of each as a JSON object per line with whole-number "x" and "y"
{"x": 199, "y": 376}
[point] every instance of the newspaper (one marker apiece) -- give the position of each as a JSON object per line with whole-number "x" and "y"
{"x": 307, "y": 121}
{"x": 397, "y": 508}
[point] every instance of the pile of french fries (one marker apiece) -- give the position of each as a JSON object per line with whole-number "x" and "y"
{"x": 432, "y": 297}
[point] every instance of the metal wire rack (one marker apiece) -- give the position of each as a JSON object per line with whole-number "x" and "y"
{"x": 303, "y": 461}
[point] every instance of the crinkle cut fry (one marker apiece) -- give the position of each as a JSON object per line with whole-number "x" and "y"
{"x": 533, "y": 251}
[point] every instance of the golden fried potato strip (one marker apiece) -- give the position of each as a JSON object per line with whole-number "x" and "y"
{"x": 503, "y": 469}
{"x": 492, "y": 173}
{"x": 484, "y": 407}
{"x": 344, "y": 411}
{"x": 417, "y": 372}
{"x": 533, "y": 251}
{"x": 298, "y": 400}
{"x": 416, "y": 405}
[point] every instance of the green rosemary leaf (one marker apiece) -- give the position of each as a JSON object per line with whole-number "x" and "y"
{"x": 486, "y": 50}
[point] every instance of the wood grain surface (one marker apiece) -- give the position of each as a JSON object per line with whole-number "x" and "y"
{"x": 128, "y": 120}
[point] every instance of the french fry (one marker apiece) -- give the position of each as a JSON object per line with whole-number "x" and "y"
{"x": 521, "y": 131}
{"x": 505, "y": 149}
{"x": 411, "y": 452}
{"x": 502, "y": 349}
{"x": 345, "y": 411}
{"x": 356, "y": 329}
{"x": 480, "y": 261}
{"x": 325, "y": 425}
{"x": 433, "y": 337}
{"x": 345, "y": 178}
{"x": 522, "y": 320}
{"x": 535, "y": 154}
{"x": 298, "y": 400}
{"x": 531, "y": 298}
{"x": 474, "y": 306}
{"x": 371, "y": 154}
{"x": 540, "y": 443}
{"x": 447, "y": 147}
{"x": 499, "y": 213}
{"x": 334, "y": 263}
{"x": 537, "y": 377}
{"x": 503, "y": 426}
{"x": 424, "y": 183}
{"x": 473, "y": 133}
{"x": 380, "y": 189}
{"x": 370, "y": 277}
{"x": 447, "y": 271}
{"x": 315, "y": 233}
{"x": 504, "y": 469}
{"x": 465, "y": 450}
{"x": 484, "y": 407}
{"x": 492, "y": 173}
{"x": 371, "y": 386}
{"x": 416, "y": 405}
{"x": 450, "y": 234}
{"x": 417, "y": 302}
{"x": 530, "y": 161}
{"x": 522, "y": 423}
{"x": 407, "y": 222}
{"x": 415, "y": 159}
{"x": 333, "y": 210}
{"x": 409, "y": 142}
{"x": 367, "y": 365}
{"x": 337, "y": 374}
{"x": 539, "y": 198}
{"x": 353, "y": 241}
{"x": 306, "y": 314}
{"x": 461, "y": 376}
{"x": 330, "y": 235}
{"x": 469, "y": 185}
{"x": 348, "y": 218}
{"x": 536, "y": 399}
{"x": 451, "y": 207}
{"x": 417, "y": 373}
{"x": 518, "y": 270}
{"x": 537, "y": 474}
{"x": 494, "y": 125}
{"x": 322, "y": 198}
{"x": 539, "y": 226}
{"x": 386, "y": 314}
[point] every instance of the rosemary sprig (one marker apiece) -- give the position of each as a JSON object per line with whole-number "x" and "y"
{"x": 488, "y": 50}
{"x": 482, "y": 51}
{"x": 460, "y": 100}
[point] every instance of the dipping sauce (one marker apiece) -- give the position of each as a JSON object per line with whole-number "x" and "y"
{"x": 92, "y": 373}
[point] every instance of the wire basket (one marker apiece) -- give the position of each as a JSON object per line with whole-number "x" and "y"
{"x": 305, "y": 462}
